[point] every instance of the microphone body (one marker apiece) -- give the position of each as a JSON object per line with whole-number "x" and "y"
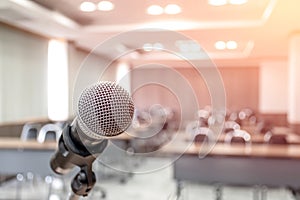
{"x": 73, "y": 151}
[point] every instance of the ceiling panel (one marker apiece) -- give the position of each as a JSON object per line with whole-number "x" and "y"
{"x": 260, "y": 27}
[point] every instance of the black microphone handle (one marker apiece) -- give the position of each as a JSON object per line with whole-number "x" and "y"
{"x": 74, "y": 150}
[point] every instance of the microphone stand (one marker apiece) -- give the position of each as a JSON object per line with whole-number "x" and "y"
{"x": 82, "y": 183}
{"x": 72, "y": 150}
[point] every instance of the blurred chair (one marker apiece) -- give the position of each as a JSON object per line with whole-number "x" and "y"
{"x": 238, "y": 136}
{"x": 201, "y": 138}
{"x": 191, "y": 128}
{"x": 35, "y": 131}
{"x": 203, "y": 135}
{"x": 271, "y": 138}
{"x": 247, "y": 117}
{"x": 263, "y": 127}
{"x": 30, "y": 131}
{"x": 230, "y": 126}
{"x": 62, "y": 124}
{"x": 203, "y": 117}
{"x": 232, "y": 116}
{"x": 49, "y": 132}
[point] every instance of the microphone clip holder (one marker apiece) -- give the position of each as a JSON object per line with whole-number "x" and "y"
{"x": 72, "y": 152}
{"x": 83, "y": 182}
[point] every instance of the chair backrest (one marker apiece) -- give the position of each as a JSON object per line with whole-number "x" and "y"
{"x": 49, "y": 132}
{"x": 203, "y": 135}
{"x": 271, "y": 138}
{"x": 230, "y": 126}
{"x": 191, "y": 127}
{"x": 200, "y": 138}
{"x": 61, "y": 124}
{"x": 237, "y": 140}
{"x": 238, "y": 136}
{"x": 30, "y": 131}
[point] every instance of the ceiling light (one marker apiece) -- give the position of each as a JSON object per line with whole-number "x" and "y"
{"x": 158, "y": 46}
{"x": 105, "y": 6}
{"x": 231, "y": 45}
{"x": 155, "y": 10}
{"x": 238, "y": 2}
{"x": 172, "y": 9}
{"x": 217, "y": 2}
{"x": 87, "y": 6}
{"x": 220, "y": 45}
{"x": 147, "y": 47}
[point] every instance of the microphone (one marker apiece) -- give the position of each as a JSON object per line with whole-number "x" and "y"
{"x": 104, "y": 110}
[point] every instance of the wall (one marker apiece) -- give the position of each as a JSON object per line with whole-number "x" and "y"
{"x": 86, "y": 68}
{"x": 241, "y": 85}
{"x": 23, "y": 74}
{"x": 273, "y": 93}
{"x": 23, "y": 71}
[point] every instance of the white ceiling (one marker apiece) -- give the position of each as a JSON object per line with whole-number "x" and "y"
{"x": 261, "y": 27}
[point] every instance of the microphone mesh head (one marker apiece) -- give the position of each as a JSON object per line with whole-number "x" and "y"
{"x": 104, "y": 109}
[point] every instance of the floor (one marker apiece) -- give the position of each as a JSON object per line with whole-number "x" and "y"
{"x": 155, "y": 185}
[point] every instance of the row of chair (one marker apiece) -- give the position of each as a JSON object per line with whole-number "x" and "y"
{"x": 42, "y": 133}
{"x": 232, "y": 135}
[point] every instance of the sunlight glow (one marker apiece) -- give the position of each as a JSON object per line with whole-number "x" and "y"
{"x": 57, "y": 80}
{"x": 123, "y": 75}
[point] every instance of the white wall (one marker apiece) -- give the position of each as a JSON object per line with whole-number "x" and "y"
{"x": 273, "y": 87}
{"x": 23, "y": 74}
{"x": 294, "y": 81}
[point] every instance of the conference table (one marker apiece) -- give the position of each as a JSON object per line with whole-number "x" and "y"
{"x": 17, "y": 156}
{"x": 236, "y": 164}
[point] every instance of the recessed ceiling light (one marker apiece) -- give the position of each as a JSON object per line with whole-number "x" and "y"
{"x": 238, "y": 2}
{"x": 155, "y": 10}
{"x": 147, "y": 47}
{"x": 87, "y": 6}
{"x": 231, "y": 45}
{"x": 188, "y": 46}
{"x": 172, "y": 9}
{"x": 105, "y": 6}
{"x": 217, "y": 2}
{"x": 220, "y": 45}
{"x": 158, "y": 46}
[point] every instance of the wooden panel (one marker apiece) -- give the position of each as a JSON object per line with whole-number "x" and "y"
{"x": 295, "y": 128}
{"x": 274, "y": 119}
{"x": 241, "y": 87}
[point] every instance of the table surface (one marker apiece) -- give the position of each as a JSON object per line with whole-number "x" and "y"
{"x": 234, "y": 150}
{"x": 181, "y": 145}
{"x": 17, "y": 143}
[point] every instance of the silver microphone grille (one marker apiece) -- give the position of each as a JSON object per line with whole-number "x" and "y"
{"x": 104, "y": 109}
